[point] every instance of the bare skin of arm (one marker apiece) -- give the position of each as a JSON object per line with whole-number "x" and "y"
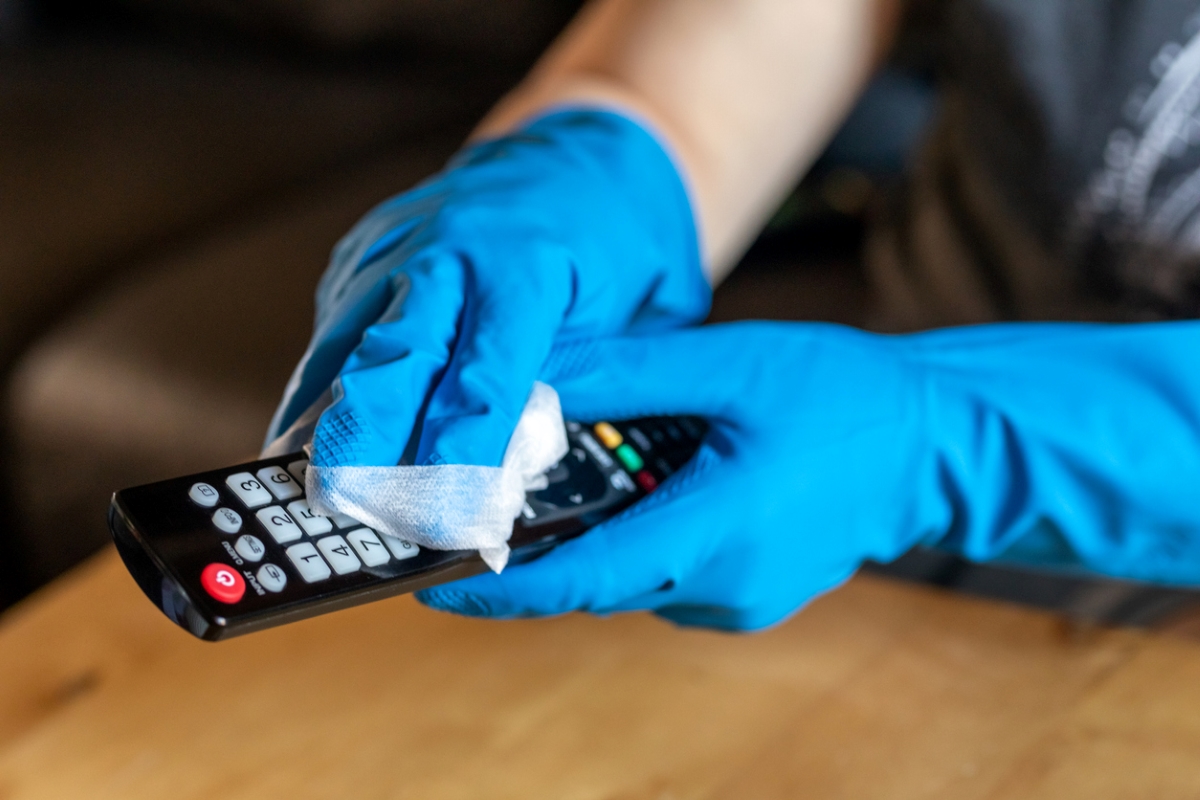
{"x": 746, "y": 93}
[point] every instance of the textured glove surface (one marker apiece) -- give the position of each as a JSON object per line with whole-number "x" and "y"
{"x": 439, "y": 308}
{"x": 1063, "y": 445}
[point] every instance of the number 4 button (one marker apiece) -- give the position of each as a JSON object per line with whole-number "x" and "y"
{"x": 339, "y": 555}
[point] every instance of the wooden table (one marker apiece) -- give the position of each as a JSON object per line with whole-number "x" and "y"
{"x": 879, "y": 690}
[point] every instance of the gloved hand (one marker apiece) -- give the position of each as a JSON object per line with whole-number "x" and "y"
{"x": 1059, "y": 444}
{"x": 441, "y": 305}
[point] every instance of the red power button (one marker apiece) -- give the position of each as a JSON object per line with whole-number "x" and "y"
{"x": 223, "y": 583}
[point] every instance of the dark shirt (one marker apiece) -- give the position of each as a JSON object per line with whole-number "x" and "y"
{"x": 1069, "y": 137}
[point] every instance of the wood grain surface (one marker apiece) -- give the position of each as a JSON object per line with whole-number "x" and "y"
{"x": 879, "y": 690}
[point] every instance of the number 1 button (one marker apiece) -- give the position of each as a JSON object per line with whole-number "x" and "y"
{"x": 308, "y": 562}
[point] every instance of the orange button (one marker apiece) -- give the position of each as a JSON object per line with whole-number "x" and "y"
{"x": 609, "y": 435}
{"x": 223, "y": 583}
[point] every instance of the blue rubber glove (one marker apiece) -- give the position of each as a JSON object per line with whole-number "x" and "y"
{"x": 1057, "y": 444}
{"x": 442, "y": 304}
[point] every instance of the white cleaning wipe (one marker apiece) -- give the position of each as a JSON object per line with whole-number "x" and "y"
{"x": 451, "y": 506}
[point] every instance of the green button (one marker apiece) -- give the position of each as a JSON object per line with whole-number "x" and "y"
{"x": 629, "y": 457}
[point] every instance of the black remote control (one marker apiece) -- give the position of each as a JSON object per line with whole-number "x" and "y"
{"x": 232, "y": 551}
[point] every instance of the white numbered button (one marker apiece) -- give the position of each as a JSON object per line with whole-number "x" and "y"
{"x": 250, "y": 548}
{"x": 282, "y": 485}
{"x": 312, "y": 522}
{"x": 272, "y": 578}
{"x": 227, "y": 520}
{"x": 248, "y": 489}
{"x": 344, "y": 521}
{"x": 339, "y": 555}
{"x": 400, "y": 548}
{"x": 308, "y": 562}
{"x": 299, "y": 470}
{"x": 279, "y": 524}
{"x": 202, "y": 494}
{"x": 369, "y": 548}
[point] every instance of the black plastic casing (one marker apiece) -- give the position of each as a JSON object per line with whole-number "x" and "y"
{"x": 166, "y": 541}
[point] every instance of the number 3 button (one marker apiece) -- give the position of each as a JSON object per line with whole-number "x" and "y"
{"x": 223, "y": 583}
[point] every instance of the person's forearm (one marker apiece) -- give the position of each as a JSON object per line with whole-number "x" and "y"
{"x": 745, "y": 92}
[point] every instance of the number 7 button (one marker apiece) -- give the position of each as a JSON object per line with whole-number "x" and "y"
{"x": 368, "y": 547}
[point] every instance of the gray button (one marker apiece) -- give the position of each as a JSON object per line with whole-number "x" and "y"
{"x": 339, "y": 555}
{"x": 299, "y": 470}
{"x": 368, "y": 547}
{"x": 344, "y": 521}
{"x": 598, "y": 453}
{"x": 203, "y": 494}
{"x": 312, "y": 522}
{"x": 308, "y": 562}
{"x": 282, "y": 485}
{"x": 640, "y": 439}
{"x": 250, "y": 548}
{"x": 621, "y": 481}
{"x": 400, "y": 548}
{"x": 227, "y": 520}
{"x": 272, "y": 578}
{"x": 248, "y": 489}
{"x": 278, "y": 524}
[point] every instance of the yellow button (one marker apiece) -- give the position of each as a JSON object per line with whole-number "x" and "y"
{"x": 608, "y": 434}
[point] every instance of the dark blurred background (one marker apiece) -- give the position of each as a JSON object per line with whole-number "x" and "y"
{"x": 173, "y": 174}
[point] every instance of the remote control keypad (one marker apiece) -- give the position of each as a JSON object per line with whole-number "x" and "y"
{"x": 252, "y": 553}
{"x": 630, "y": 456}
{"x": 651, "y": 450}
{"x": 312, "y": 547}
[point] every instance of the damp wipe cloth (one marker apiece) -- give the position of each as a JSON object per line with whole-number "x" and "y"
{"x": 451, "y": 506}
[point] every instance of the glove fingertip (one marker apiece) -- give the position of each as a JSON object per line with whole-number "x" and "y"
{"x": 727, "y": 620}
{"x": 454, "y": 601}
